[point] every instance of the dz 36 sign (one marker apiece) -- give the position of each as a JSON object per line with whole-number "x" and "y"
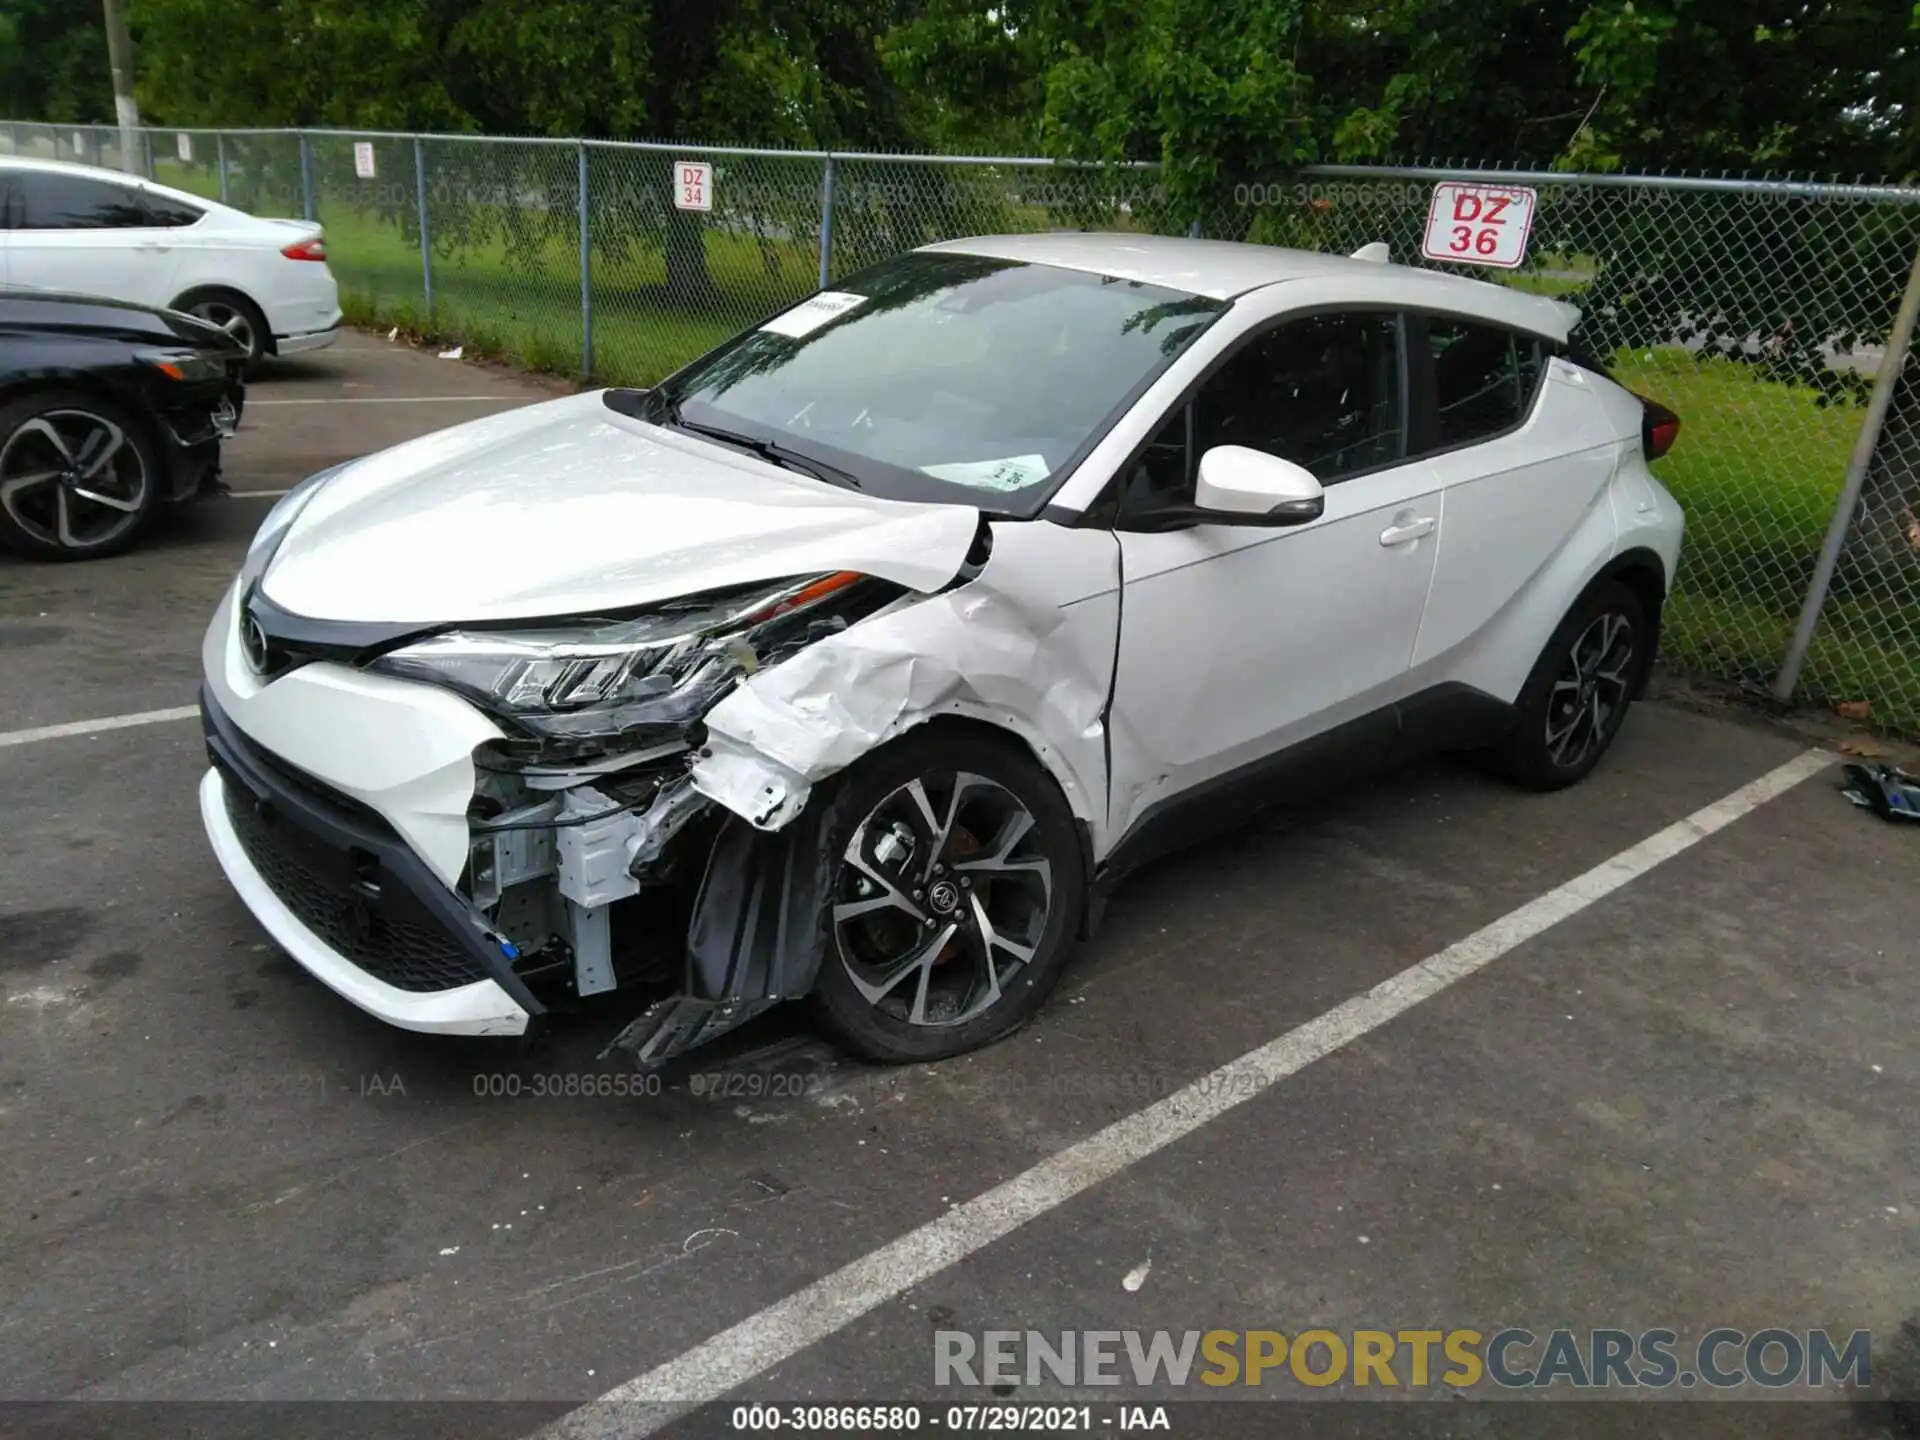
{"x": 1479, "y": 224}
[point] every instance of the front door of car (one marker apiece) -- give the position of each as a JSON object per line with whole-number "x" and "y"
{"x": 90, "y": 235}
{"x": 1239, "y": 642}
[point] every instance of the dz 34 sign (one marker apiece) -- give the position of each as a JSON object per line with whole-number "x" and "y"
{"x": 1479, "y": 224}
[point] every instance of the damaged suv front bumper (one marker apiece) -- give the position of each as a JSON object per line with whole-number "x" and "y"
{"x": 350, "y": 900}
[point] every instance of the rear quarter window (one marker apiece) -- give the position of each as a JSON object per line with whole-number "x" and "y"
{"x": 1485, "y": 378}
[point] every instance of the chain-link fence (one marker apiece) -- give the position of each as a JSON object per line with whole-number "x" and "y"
{"x": 1759, "y": 310}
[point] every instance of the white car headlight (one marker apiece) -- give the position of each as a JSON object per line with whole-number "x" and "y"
{"x": 599, "y": 679}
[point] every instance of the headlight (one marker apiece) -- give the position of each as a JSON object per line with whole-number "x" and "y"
{"x": 279, "y": 520}
{"x": 602, "y": 678}
{"x": 185, "y": 364}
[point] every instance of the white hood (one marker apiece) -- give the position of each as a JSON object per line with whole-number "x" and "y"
{"x": 568, "y": 507}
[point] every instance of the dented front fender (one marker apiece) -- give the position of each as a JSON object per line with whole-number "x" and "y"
{"x": 1027, "y": 646}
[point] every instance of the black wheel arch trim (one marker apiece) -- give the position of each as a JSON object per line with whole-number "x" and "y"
{"x": 1642, "y": 570}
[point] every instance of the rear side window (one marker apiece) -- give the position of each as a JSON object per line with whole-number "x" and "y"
{"x": 166, "y": 211}
{"x": 49, "y": 200}
{"x": 1484, "y": 378}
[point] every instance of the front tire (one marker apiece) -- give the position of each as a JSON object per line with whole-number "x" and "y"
{"x": 79, "y": 476}
{"x": 956, "y": 888}
{"x": 1577, "y": 696}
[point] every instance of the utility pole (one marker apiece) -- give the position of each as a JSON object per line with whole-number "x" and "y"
{"x": 120, "y": 58}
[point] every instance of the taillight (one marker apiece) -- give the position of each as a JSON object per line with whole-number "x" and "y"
{"x": 314, "y": 249}
{"x": 1659, "y": 428}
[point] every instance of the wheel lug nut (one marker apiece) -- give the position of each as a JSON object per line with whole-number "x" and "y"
{"x": 919, "y": 894}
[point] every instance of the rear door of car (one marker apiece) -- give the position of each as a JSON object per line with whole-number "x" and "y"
{"x": 1516, "y": 449}
{"x": 89, "y": 234}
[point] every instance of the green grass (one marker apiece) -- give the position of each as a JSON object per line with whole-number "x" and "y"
{"x": 1758, "y": 467}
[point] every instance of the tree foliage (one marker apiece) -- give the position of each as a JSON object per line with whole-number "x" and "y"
{"x": 53, "y": 61}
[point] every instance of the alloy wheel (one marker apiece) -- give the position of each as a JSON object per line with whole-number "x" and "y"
{"x": 229, "y": 319}
{"x": 941, "y": 899}
{"x": 72, "y": 479}
{"x": 1591, "y": 692}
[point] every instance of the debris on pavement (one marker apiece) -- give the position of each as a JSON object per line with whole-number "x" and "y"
{"x": 1137, "y": 1276}
{"x": 1890, "y": 793}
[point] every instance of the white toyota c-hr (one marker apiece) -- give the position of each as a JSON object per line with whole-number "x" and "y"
{"x": 858, "y": 658}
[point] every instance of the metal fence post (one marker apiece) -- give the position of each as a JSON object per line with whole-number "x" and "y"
{"x": 220, "y": 160}
{"x": 306, "y": 175}
{"x": 146, "y": 140}
{"x": 420, "y": 198}
{"x": 1891, "y": 364}
{"x": 586, "y": 271}
{"x": 826, "y": 223}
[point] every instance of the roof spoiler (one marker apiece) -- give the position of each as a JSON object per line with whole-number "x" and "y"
{"x": 1374, "y": 254}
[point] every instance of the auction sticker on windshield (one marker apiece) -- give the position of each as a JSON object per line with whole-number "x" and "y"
{"x": 1016, "y": 472}
{"x": 1479, "y": 224}
{"x": 809, "y": 315}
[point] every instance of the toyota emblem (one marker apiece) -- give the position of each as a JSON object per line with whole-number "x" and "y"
{"x": 253, "y": 643}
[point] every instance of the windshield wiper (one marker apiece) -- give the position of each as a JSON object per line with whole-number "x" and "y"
{"x": 770, "y": 450}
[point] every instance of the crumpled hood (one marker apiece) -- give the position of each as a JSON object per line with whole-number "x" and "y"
{"x": 568, "y": 507}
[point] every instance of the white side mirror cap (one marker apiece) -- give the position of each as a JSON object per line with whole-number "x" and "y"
{"x": 1258, "y": 488}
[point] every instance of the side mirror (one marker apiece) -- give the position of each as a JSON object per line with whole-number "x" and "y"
{"x": 1238, "y": 486}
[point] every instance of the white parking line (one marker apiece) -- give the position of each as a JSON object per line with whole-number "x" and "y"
{"x": 253, "y": 494}
{"x": 95, "y": 727}
{"x": 757, "y": 1344}
{"x": 396, "y": 400}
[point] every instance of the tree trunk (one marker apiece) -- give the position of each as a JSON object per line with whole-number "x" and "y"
{"x": 688, "y": 279}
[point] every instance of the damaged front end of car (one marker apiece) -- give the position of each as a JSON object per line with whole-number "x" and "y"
{"x": 595, "y": 854}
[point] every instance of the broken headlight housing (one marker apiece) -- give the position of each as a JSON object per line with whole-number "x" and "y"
{"x": 595, "y": 680}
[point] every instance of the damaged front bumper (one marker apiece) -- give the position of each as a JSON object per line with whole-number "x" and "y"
{"x": 350, "y": 900}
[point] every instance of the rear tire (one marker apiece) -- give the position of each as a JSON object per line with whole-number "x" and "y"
{"x": 79, "y": 476}
{"x": 956, "y": 891}
{"x": 233, "y": 313}
{"x": 1577, "y": 697}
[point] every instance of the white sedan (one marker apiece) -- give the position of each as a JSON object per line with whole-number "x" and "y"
{"x": 87, "y": 231}
{"x": 861, "y": 657}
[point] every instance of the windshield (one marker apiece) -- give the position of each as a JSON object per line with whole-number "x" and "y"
{"x": 940, "y": 377}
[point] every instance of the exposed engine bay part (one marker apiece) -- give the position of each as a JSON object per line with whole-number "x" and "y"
{"x": 732, "y": 833}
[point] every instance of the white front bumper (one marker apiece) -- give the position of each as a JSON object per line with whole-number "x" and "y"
{"x": 482, "y": 1008}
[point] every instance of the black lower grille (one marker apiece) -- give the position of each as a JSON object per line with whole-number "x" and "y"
{"x": 409, "y": 951}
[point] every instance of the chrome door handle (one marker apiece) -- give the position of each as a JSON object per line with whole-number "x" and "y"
{"x": 1412, "y": 530}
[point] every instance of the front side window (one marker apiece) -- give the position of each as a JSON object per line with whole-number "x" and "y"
{"x": 942, "y": 377}
{"x": 1483, "y": 380}
{"x": 1323, "y": 392}
{"x": 53, "y": 200}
